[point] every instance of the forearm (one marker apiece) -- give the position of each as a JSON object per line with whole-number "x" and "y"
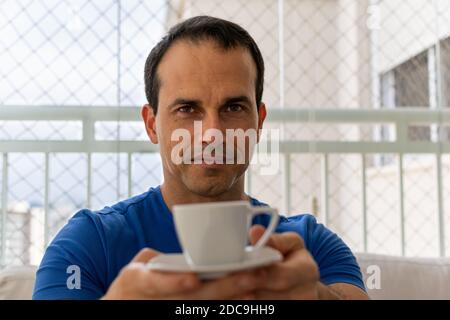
{"x": 327, "y": 293}
{"x": 340, "y": 291}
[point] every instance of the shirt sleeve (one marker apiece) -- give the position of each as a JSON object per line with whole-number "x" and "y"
{"x": 74, "y": 264}
{"x": 336, "y": 262}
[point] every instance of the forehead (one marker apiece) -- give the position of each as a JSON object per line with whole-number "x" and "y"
{"x": 205, "y": 65}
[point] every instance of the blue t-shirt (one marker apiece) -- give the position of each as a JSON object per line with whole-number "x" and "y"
{"x": 101, "y": 243}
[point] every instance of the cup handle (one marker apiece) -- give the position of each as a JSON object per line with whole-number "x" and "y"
{"x": 270, "y": 229}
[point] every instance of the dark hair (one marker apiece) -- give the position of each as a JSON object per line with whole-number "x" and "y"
{"x": 227, "y": 34}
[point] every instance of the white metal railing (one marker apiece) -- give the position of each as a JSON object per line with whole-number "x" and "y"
{"x": 401, "y": 119}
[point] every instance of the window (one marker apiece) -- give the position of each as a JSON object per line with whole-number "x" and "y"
{"x": 407, "y": 85}
{"x": 413, "y": 83}
{"x": 445, "y": 70}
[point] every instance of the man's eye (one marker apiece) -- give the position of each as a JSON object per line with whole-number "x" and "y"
{"x": 234, "y": 108}
{"x": 186, "y": 109}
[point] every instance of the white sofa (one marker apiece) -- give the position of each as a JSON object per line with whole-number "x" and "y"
{"x": 17, "y": 283}
{"x": 399, "y": 278}
{"x": 406, "y": 278}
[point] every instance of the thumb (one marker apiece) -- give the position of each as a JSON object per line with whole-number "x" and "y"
{"x": 285, "y": 242}
{"x": 256, "y": 233}
{"x": 145, "y": 255}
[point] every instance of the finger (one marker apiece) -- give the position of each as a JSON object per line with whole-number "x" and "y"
{"x": 156, "y": 283}
{"x": 160, "y": 282}
{"x": 298, "y": 269}
{"x": 287, "y": 274}
{"x": 283, "y": 242}
{"x": 286, "y": 242}
{"x": 163, "y": 283}
{"x": 256, "y": 233}
{"x": 228, "y": 287}
{"x": 145, "y": 255}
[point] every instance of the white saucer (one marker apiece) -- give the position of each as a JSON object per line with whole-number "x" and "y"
{"x": 177, "y": 263}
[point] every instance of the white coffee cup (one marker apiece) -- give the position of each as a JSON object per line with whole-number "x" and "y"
{"x": 217, "y": 232}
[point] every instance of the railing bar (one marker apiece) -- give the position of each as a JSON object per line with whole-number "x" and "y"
{"x": 439, "y": 99}
{"x": 289, "y": 146}
{"x": 364, "y": 201}
{"x": 384, "y": 116}
{"x": 46, "y": 201}
{"x": 118, "y": 96}
{"x": 402, "y": 208}
{"x": 281, "y": 88}
{"x": 295, "y": 113}
{"x": 441, "y": 222}
{"x": 130, "y": 174}
{"x": 4, "y": 208}
{"x": 89, "y": 180}
{"x": 325, "y": 189}
{"x": 82, "y": 146}
{"x": 287, "y": 183}
{"x": 281, "y": 42}
{"x": 69, "y": 113}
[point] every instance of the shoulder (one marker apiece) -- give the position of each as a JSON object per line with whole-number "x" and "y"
{"x": 304, "y": 224}
{"x": 128, "y": 206}
{"x": 319, "y": 240}
{"x": 121, "y": 213}
{"x": 98, "y": 242}
{"x": 116, "y": 228}
{"x": 313, "y": 233}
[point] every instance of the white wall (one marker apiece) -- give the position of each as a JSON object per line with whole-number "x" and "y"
{"x": 409, "y": 27}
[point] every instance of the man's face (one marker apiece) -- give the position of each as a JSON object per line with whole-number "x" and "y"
{"x": 202, "y": 82}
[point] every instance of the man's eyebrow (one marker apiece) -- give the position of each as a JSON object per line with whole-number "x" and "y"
{"x": 231, "y": 100}
{"x": 179, "y": 101}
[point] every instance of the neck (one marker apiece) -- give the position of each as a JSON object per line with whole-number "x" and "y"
{"x": 176, "y": 193}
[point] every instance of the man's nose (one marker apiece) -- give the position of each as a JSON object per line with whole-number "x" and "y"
{"x": 211, "y": 122}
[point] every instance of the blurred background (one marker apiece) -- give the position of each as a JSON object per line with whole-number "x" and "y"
{"x": 360, "y": 90}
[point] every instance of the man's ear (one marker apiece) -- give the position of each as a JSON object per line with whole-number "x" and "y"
{"x": 262, "y": 113}
{"x": 149, "y": 118}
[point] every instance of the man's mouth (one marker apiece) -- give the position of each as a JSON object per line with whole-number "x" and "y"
{"x": 212, "y": 160}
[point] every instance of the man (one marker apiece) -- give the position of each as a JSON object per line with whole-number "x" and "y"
{"x": 208, "y": 70}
